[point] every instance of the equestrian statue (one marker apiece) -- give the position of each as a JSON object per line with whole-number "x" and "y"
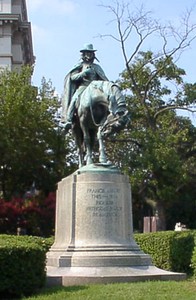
{"x": 92, "y": 106}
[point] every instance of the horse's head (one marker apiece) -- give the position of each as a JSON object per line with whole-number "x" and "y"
{"x": 115, "y": 123}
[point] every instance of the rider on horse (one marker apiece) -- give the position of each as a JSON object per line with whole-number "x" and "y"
{"x": 77, "y": 80}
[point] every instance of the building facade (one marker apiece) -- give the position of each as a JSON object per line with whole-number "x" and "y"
{"x": 16, "y": 48}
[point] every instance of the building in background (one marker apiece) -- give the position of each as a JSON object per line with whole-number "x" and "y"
{"x": 16, "y": 48}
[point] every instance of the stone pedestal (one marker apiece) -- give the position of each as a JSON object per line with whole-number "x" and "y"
{"x": 94, "y": 235}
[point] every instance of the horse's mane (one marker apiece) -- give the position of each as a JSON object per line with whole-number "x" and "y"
{"x": 97, "y": 84}
{"x": 103, "y": 84}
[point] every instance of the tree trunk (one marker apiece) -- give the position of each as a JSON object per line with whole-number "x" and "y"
{"x": 161, "y": 215}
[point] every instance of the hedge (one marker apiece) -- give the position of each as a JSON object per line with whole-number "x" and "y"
{"x": 22, "y": 258}
{"x": 170, "y": 250}
{"x": 22, "y": 264}
{"x": 193, "y": 260}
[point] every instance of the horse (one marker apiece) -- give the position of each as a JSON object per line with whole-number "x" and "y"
{"x": 100, "y": 111}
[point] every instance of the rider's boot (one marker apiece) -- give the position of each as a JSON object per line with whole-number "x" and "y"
{"x": 70, "y": 114}
{"x": 68, "y": 123}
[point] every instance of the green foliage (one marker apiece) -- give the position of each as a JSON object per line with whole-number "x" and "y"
{"x": 47, "y": 243}
{"x": 190, "y": 92}
{"x": 181, "y": 252}
{"x": 157, "y": 150}
{"x": 22, "y": 261}
{"x": 169, "y": 250}
{"x": 32, "y": 145}
{"x": 193, "y": 260}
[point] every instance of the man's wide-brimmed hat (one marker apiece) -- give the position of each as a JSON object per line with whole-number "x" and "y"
{"x": 88, "y": 47}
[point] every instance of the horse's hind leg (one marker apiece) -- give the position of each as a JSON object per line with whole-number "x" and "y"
{"x": 102, "y": 154}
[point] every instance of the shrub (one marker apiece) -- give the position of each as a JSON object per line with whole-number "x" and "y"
{"x": 169, "y": 250}
{"x": 22, "y": 261}
{"x": 33, "y": 214}
{"x": 193, "y": 260}
{"x": 182, "y": 247}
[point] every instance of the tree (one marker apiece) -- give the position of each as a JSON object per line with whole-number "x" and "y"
{"x": 158, "y": 149}
{"x": 137, "y": 27}
{"x": 158, "y": 152}
{"x": 32, "y": 215}
{"x": 32, "y": 145}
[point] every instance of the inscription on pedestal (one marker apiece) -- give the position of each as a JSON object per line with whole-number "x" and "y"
{"x": 104, "y": 202}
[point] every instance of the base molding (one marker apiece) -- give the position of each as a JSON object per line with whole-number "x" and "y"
{"x": 104, "y": 275}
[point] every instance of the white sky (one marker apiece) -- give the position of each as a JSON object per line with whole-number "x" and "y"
{"x": 60, "y": 28}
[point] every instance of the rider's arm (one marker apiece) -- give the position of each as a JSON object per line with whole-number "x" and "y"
{"x": 77, "y": 76}
{"x": 80, "y": 75}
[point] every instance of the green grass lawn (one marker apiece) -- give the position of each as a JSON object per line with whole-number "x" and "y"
{"x": 150, "y": 290}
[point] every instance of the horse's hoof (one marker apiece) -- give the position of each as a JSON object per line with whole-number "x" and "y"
{"x": 89, "y": 161}
{"x": 103, "y": 159}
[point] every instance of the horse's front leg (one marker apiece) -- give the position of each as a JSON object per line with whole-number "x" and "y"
{"x": 88, "y": 147}
{"x": 102, "y": 154}
{"x": 89, "y": 159}
{"x": 80, "y": 156}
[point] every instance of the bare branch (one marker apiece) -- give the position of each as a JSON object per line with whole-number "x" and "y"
{"x": 169, "y": 107}
{"x": 139, "y": 25}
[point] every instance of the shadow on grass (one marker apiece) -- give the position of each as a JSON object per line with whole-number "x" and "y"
{"x": 46, "y": 291}
{"x": 53, "y": 290}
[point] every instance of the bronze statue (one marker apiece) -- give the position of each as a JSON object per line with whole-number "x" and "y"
{"x": 78, "y": 79}
{"x": 92, "y": 106}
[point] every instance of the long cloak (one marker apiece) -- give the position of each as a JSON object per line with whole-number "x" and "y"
{"x": 70, "y": 86}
